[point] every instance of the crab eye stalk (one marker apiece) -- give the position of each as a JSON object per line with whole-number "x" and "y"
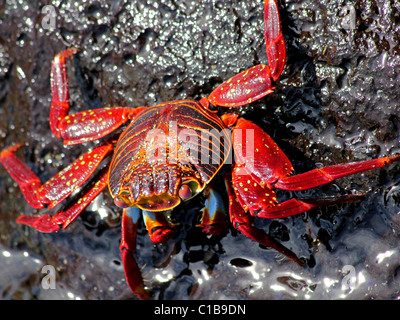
{"x": 189, "y": 189}
{"x": 185, "y": 192}
{"x": 120, "y": 203}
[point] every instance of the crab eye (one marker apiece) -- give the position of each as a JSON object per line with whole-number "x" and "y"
{"x": 120, "y": 203}
{"x": 185, "y": 192}
{"x": 189, "y": 189}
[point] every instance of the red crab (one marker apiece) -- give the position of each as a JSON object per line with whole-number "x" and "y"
{"x": 170, "y": 152}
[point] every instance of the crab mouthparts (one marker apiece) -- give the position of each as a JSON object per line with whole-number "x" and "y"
{"x": 158, "y": 202}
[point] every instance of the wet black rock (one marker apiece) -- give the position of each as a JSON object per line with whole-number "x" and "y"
{"x": 337, "y": 100}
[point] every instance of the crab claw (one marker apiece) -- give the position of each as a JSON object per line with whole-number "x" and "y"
{"x": 252, "y": 146}
{"x": 130, "y": 218}
{"x": 213, "y": 219}
{"x": 242, "y": 222}
{"x": 159, "y": 226}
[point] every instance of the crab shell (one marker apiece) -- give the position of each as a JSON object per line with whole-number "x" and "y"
{"x": 167, "y": 154}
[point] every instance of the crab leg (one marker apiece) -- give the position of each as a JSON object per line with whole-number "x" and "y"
{"x": 82, "y": 126}
{"x": 243, "y": 88}
{"x": 59, "y": 90}
{"x": 47, "y": 223}
{"x": 254, "y": 178}
{"x": 255, "y": 83}
{"x": 316, "y": 178}
{"x": 292, "y": 207}
{"x": 241, "y": 221}
{"x": 91, "y": 125}
{"x": 327, "y": 174}
{"x": 257, "y": 154}
{"x": 73, "y": 176}
{"x": 159, "y": 225}
{"x": 28, "y": 182}
{"x": 276, "y": 50}
{"x": 65, "y": 217}
{"x": 213, "y": 218}
{"x": 263, "y": 203}
{"x": 130, "y": 218}
{"x": 58, "y": 187}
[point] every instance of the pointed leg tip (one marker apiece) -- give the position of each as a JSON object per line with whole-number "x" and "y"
{"x": 133, "y": 275}
{"x": 395, "y": 157}
{"x": 67, "y": 52}
{"x": 161, "y": 234}
{"x": 42, "y": 223}
{"x": 213, "y": 229}
{"x": 10, "y": 149}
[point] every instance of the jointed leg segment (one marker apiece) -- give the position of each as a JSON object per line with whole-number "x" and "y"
{"x": 82, "y": 126}
{"x": 58, "y": 187}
